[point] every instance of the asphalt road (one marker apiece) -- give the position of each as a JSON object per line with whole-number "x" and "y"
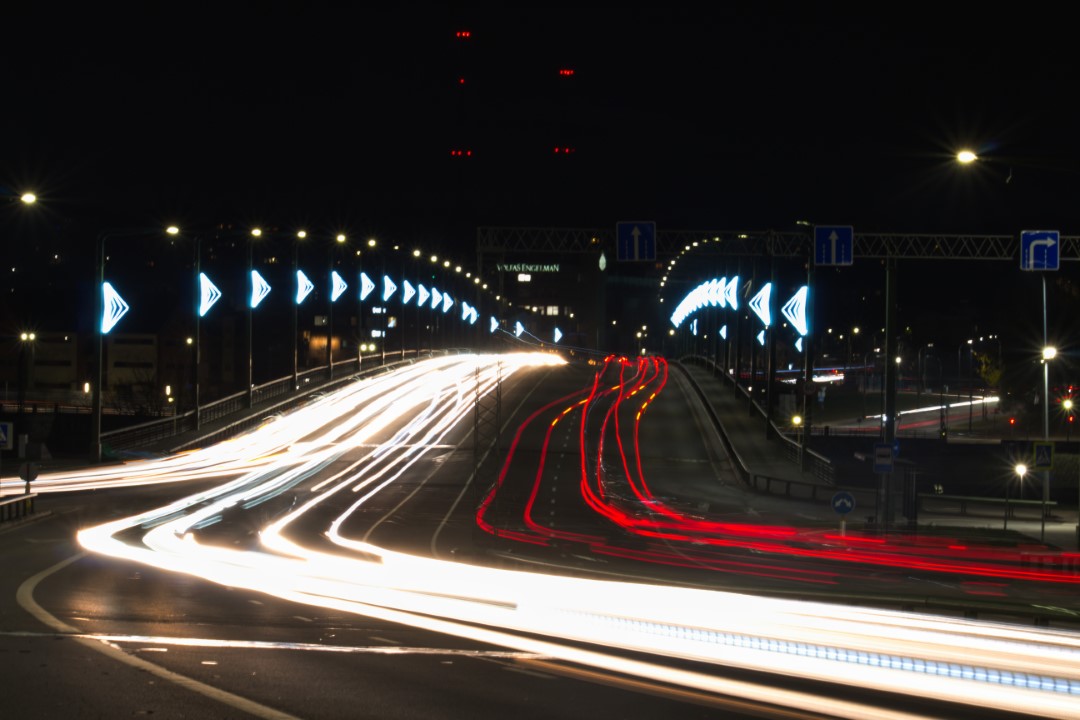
{"x": 86, "y": 635}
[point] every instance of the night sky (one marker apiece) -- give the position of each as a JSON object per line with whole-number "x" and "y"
{"x": 739, "y": 116}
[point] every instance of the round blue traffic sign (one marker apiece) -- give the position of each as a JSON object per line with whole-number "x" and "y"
{"x": 843, "y": 502}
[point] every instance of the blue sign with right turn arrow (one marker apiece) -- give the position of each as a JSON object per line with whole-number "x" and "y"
{"x": 1040, "y": 249}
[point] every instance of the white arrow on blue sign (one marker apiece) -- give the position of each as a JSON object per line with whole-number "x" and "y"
{"x": 843, "y": 502}
{"x": 1040, "y": 249}
{"x": 833, "y": 244}
{"x": 635, "y": 241}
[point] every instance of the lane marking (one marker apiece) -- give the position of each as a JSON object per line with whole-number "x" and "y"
{"x": 25, "y": 597}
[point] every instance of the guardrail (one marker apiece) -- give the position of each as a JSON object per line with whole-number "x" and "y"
{"x": 17, "y": 506}
{"x": 963, "y": 503}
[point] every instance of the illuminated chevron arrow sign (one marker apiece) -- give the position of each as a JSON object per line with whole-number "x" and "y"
{"x": 798, "y": 344}
{"x": 494, "y": 325}
{"x": 115, "y": 308}
{"x": 421, "y": 296}
{"x": 466, "y": 310}
{"x": 795, "y": 310}
{"x": 407, "y": 291}
{"x": 558, "y": 335}
{"x": 731, "y": 293}
{"x": 389, "y": 288}
{"x": 304, "y": 286}
{"x": 366, "y": 285}
{"x": 473, "y": 315}
{"x": 447, "y": 303}
{"x": 208, "y": 294}
{"x": 518, "y": 329}
{"x": 436, "y": 299}
{"x": 760, "y": 304}
{"x": 259, "y": 289}
{"x": 339, "y": 286}
{"x": 761, "y": 337}
{"x": 723, "y": 332}
{"x": 693, "y": 327}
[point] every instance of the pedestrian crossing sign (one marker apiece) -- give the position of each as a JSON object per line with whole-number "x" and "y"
{"x": 1044, "y": 456}
{"x": 6, "y": 436}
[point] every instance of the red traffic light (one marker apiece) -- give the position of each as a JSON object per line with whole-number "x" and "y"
{"x": 1012, "y": 421}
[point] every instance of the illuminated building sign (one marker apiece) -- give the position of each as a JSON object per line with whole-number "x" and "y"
{"x": 259, "y": 288}
{"x": 208, "y": 294}
{"x": 339, "y": 286}
{"x": 115, "y": 308}
{"x": 527, "y": 267}
{"x": 304, "y": 286}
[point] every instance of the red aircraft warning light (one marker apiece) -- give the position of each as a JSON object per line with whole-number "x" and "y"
{"x": 463, "y": 34}
{"x": 566, "y": 72}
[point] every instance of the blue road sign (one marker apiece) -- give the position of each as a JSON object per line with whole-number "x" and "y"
{"x": 883, "y": 458}
{"x": 6, "y": 436}
{"x": 833, "y": 244}
{"x": 636, "y": 241}
{"x": 1040, "y": 249}
{"x": 1044, "y": 456}
{"x": 843, "y": 502}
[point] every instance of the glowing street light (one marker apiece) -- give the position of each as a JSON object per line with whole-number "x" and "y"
{"x": 966, "y": 157}
{"x": 1020, "y": 470}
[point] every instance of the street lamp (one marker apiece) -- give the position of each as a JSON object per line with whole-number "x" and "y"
{"x": 339, "y": 239}
{"x": 301, "y": 293}
{"x": 1068, "y": 405}
{"x": 101, "y": 327}
{"x": 1020, "y": 470}
{"x": 25, "y": 339}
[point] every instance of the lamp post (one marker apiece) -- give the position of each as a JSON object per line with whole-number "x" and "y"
{"x": 300, "y": 235}
{"x": 1021, "y": 470}
{"x": 99, "y": 333}
{"x": 25, "y": 369}
{"x": 1048, "y": 353}
{"x": 339, "y": 239}
{"x": 198, "y": 311}
{"x": 255, "y": 233}
{"x": 1068, "y": 405}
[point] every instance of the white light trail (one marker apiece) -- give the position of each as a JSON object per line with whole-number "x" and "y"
{"x": 1024, "y": 670}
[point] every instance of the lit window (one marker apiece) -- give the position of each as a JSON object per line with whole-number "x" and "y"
{"x": 524, "y": 277}
{"x": 552, "y": 310}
